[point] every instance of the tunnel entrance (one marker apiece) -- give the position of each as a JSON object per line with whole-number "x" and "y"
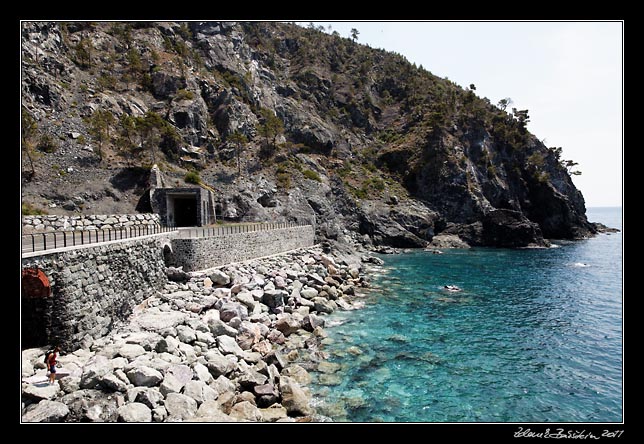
{"x": 182, "y": 210}
{"x": 36, "y": 304}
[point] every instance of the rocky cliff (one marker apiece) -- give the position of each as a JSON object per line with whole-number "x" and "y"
{"x": 285, "y": 124}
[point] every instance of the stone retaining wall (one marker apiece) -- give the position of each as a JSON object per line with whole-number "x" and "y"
{"x": 92, "y": 289}
{"x": 203, "y": 253}
{"x": 32, "y": 224}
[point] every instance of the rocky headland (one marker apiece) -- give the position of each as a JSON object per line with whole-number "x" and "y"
{"x": 230, "y": 344}
{"x": 284, "y": 124}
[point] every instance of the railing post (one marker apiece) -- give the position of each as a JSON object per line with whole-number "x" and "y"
{"x": 33, "y": 243}
{"x": 64, "y": 238}
{"x": 55, "y": 240}
{"x": 44, "y": 241}
{"x": 82, "y": 237}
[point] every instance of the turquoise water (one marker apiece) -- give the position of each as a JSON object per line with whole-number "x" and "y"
{"x": 535, "y": 336}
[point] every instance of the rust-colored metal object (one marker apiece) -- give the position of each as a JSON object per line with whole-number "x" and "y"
{"x": 35, "y": 284}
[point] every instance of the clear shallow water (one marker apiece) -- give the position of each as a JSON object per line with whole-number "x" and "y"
{"x": 535, "y": 336}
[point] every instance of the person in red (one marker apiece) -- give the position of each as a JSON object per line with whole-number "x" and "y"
{"x": 51, "y": 364}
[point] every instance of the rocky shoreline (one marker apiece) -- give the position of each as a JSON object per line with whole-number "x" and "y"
{"x": 230, "y": 344}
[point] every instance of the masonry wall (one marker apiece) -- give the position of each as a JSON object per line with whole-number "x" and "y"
{"x": 92, "y": 289}
{"x": 202, "y": 253}
{"x": 31, "y": 224}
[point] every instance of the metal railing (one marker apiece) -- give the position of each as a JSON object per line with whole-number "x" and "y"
{"x": 191, "y": 233}
{"x": 50, "y": 240}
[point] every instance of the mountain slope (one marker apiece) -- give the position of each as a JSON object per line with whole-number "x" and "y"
{"x": 285, "y": 123}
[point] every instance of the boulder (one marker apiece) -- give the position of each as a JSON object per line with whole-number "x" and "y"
{"x": 231, "y": 310}
{"x": 311, "y": 321}
{"x": 144, "y": 376}
{"x": 180, "y": 406}
{"x": 186, "y": 334}
{"x": 328, "y": 367}
{"x": 134, "y": 412}
{"x": 131, "y": 351}
{"x": 446, "y": 241}
{"x": 294, "y": 398}
{"x": 159, "y": 321}
{"x": 297, "y": 373}
{"x": 308, "y": 293}
{"x": 316, "y": 278}
{"x": 266, "y": 395}
{"x": 159, "y": 414}
{"x": 245, "y": 411}
{"x": 228, "y": 345}
{"x": 96, "y": 367}
{"x": 200, "y": 391}
{"x": 176, "y": 274}
{"x": 251, "y": 378}
{"x": 70, "y": 384}
{"x": 202, "y": 373}
{"x": 218, "y": 328}
{"x": 209, "y": 408}
{"x": 113, "y": 382}
{"x": 288, "y": 324}
{"x": 46, "y": 411}
{"x": 218, "y": 277}
{"x": 169, "y": 344}
{"x": 218, "y": 364}
{"x": 247, "y": 299}
{"x": 323, "y": 305}
{"x": 273, "y": 298}
{"x": 224, "y": 385}
{"x": 147, "y": 340}
{"x": 181, "y": 371}
{"x": 273, "y": 413}
{"x": 101, "y": 412}
{"x": 150, "y": 397}
{"x": 40, "y": 391}
{"x": 171, "y": 384}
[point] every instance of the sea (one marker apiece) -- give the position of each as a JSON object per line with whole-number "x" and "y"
{"x": 534, "y": 335}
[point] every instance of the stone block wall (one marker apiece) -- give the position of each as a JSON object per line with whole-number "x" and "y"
{"x": 92, "y": 289}
{"x": 33, "y": 224}
{"x": 208, "y": 252}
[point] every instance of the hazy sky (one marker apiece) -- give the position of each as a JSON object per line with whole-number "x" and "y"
{"x": 567, "y": 74}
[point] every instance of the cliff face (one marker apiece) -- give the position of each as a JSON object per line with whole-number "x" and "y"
{"x": 285, "y": 123}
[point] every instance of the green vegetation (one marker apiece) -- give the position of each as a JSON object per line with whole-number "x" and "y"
{"x": 312, "y": 175}
{"x": 569, "y": 165}
{"x": 83, "y": 52}
{"x": 30, "y": 210}
{"x": 106, "y": 82}
{"x": 192, "y": 177}
{"x": 240, "y": 141}
{"x": 346, "y": 169}
{"x": 371, "y": 187}
{"x": 100, "y": 123}
{"x": 183, "y": 94}
{"x": 28, "y": 129}
{"x": 144, "y": 134}
{"x": 270, "y": 128}
{"x": 283, "y": 177}
{"x": 48, "y": 143}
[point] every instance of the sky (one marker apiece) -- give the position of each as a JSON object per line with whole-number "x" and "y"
{"x": 569, "y": 75}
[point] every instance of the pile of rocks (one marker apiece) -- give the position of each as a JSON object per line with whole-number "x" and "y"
{"x": 229, "y": 344}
